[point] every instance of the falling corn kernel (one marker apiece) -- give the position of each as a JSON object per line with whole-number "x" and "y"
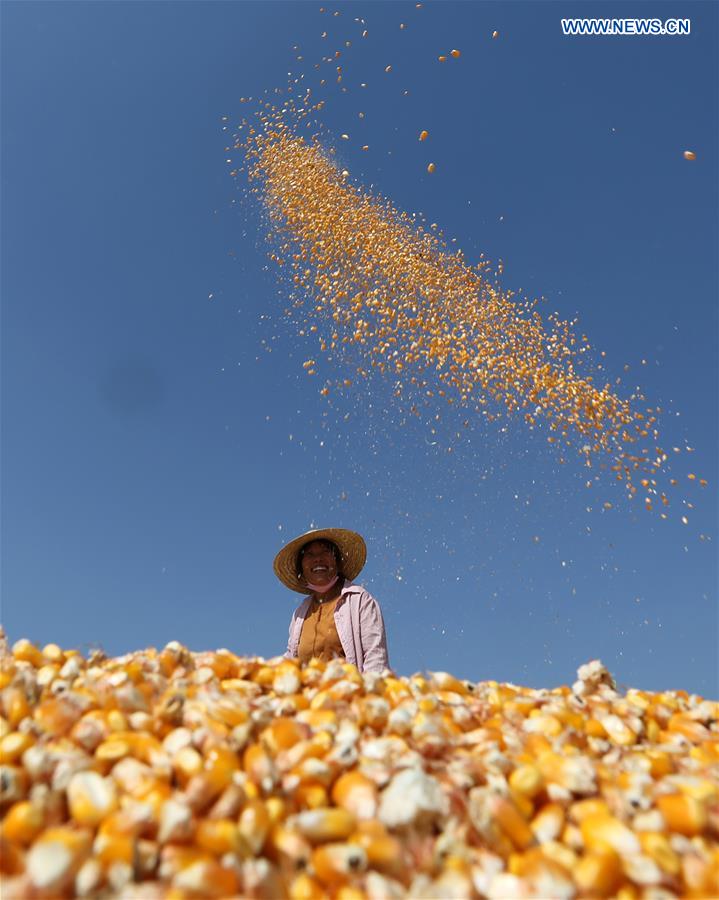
{"x": 423, "y": 135}
{"x": 431, "y": 168}
{"x": 442, "y": 58}
{"x": 455, "y": 54}
{"x": 495, "y": 34}
{"x": 690, "y": 155}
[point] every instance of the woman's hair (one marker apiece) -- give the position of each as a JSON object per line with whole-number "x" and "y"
{"x": 330, "y": 544}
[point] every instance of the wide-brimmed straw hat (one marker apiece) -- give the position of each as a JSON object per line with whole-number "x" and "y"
{"x": 353, "y": 552}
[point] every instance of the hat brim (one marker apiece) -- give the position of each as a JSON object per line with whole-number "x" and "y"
{"x": 352, "y": 547}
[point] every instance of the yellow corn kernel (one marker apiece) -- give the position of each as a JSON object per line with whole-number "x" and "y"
{"x": 23, "y": 650}
{"x": 384, "y": 851}
{"x": 683, "y": 814}
{"x": 114, "y": 848}
{"x": 55, "y": 857}
{"x": 443, "y": 681}
{"x": 335, "y": 863}
{"x": 548, "y": 823}
{"x": 112, "y": 750}
{"x": 350, "y": 892}
{"x": 15, "y": 705}
{"x": 541, "y": 723}
{"x": 206, "y": 878}
{"x": 117, "y": 721}
{"x": 12, "y": 861}
{"x": 618, "y": 731}
{"x": 681, "y": 724}
{"x": 220, "y": 836}
{"x": 357, "y": 793}
{"x": 23, "y": 823}
{"x": 311, "y": 796}
{"x": 264, "y": 676}
{"x": 594, "y": 728}
{"x": 524, "y": 805}
{"x": 700, "y": 877}
{"x": 325, "y": 824}
{"x": 510, "y": 820}
{"x": 601, "y": 833}
{"x": 254, "y": 825}
{"x": 220, "y": 765}
{"x": 260, "y": 766}
{"x": 282, "y": 734}
{"x": 276, "y": 809}
{"x": 598, "y": 874}
{"x": 593, "y": 806}
{"x": 304, "y": 887}
{"x": 287, "y": 845}
{"x": 53, "y": 654}
{"x": 90, "y": 797}
{"x": 658, "y": 848}
{"x": 13, "y": 745}
{"x": 526, "y": 780}
{"x": 186, "y": 763}
{"x": 660, "y": 763}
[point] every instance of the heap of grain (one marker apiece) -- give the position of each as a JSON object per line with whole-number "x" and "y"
{"x": 176, "y": 774}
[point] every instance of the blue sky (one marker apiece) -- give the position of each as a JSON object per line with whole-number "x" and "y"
{"x": 159, "y": 445}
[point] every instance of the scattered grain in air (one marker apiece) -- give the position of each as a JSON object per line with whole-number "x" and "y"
{"x": 345, "y": 137}
{"x": 685, "y": 521}
{"x": 388, "y": 68}
{"x": 691, "y": 476}
{"x": 365, "y": 33}
{"x": 365, "y": 146}
{"x": 455, "y": 53}
{"x": 449, "y": 331}
{"x": 495, "y": 34}
{"x": 423, "y": 135}
{"x": 442, "y": 58}
{"x": 690, "y": 155}
{"x": 402, "y": 26}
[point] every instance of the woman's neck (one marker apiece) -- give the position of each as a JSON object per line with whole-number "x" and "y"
{"x": 332, "y": 594}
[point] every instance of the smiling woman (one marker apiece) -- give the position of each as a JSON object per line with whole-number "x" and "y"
{"x": 339, "y": 619}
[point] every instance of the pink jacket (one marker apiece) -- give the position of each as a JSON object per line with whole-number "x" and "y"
{"x": 359, "y": 624}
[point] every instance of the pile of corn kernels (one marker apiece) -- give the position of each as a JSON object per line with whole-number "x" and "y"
{"x": 173, "y": 774}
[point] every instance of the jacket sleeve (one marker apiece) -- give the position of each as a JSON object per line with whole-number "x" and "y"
{"x": 288, "y": 652}
{"x": 373, "y": 636}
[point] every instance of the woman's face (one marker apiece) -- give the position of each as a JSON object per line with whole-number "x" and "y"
{"x": 318, "y": 563}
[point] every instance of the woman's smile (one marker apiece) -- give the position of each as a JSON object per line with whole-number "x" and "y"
{"x": 318, "y": 563}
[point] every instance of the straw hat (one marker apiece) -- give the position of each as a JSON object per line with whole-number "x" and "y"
{"x": 352, "y": 547}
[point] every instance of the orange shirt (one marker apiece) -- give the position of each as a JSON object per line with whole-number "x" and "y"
{"x": 319, "y": 636}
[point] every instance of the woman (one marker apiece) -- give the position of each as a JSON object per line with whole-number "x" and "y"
{"x": 338, "y": 618}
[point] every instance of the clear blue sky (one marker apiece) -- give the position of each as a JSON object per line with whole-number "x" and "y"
{"x": 155, "y": 455}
